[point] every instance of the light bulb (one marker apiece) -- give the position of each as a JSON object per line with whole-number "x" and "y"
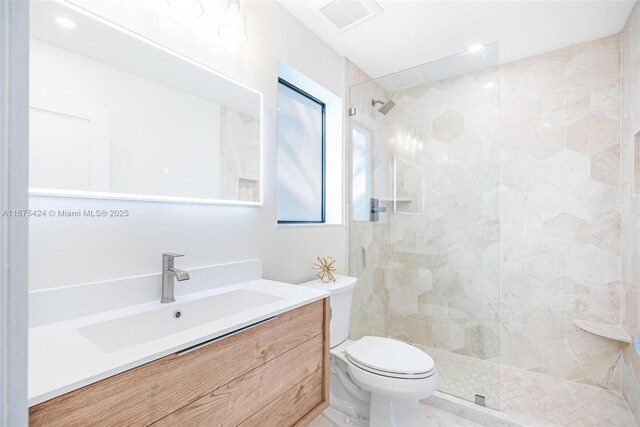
{"x": 234, "y": 28}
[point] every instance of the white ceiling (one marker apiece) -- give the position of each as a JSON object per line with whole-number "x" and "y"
{"x": 409, "y": 33}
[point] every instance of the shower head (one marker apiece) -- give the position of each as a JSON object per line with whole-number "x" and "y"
{"x": 386, "y": 106}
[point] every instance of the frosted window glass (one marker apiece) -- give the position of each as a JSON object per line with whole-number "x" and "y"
{"x": 361, "y": 143}
{"x": 300, "y": 157}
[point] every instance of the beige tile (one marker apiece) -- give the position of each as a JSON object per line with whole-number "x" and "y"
{"x": 592, "y": 134}
{"x": 592, "y": 266}
{"x": 597, "y": 64}
{"x": 537, "y": 399}
{"x": 605, "y": 166}
{"x": 520, "y": 111}
{"x": 566, "y": 169}
{"x": 448, "y": 126}
{"x": 567, "y": 54}
{"x": 562, "y": 222}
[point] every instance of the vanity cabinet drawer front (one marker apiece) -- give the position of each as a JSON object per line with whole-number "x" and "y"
{"x": 146, "y": 394}
{"x": 236, "y": 401}
{"x": 292, "y": 406}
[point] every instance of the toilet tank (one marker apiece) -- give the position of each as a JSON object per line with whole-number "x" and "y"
{"x": 341, "y": 295}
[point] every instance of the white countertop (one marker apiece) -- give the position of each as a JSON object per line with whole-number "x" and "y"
{"x": 62, "y": 360}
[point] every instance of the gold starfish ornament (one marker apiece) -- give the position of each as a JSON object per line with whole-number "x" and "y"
{"x": 326, "y": 269}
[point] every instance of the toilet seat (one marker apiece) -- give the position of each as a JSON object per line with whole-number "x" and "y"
{"x": 391, "y": 374}
{"x": 390, "y": 358}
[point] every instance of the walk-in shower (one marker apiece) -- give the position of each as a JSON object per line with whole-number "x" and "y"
{"x": 486, "y": 226}
{"x": 424, "y": 236}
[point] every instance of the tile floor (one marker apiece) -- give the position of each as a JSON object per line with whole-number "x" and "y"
{"x": 433, "y": 417}
{"x": 536, "y": 397}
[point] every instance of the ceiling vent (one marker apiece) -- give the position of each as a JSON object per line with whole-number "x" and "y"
{"x": 345, "y": 13}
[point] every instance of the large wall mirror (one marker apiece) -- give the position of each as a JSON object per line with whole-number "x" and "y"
{"x": 114, "y": 115}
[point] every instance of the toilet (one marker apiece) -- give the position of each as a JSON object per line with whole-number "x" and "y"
{"x": 374, "y": 381}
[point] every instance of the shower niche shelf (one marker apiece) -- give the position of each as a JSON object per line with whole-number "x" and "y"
{"x": 607, "y": 330}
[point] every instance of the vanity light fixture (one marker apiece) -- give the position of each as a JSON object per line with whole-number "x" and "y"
{"x": 65, "y": 22}
{"x": 234, "y": 28}
{"x": 475, "y": 48}
{"x": 187, "y": 8}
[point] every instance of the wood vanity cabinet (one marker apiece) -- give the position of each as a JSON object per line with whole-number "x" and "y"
{"x": 273, "y": 374}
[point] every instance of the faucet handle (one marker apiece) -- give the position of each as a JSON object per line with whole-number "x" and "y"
{"x": 171, "y": 255}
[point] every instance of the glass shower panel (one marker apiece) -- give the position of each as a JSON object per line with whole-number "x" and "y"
{"x": 408, "y": 187}
{"x": 424, "y": 230}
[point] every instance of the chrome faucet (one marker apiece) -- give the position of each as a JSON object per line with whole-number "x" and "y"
{"x": 168, "y": 273}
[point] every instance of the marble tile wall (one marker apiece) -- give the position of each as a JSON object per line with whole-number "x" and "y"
{"x": 553, "y": 222}
{"x": 368, "y": 241}
{"x": 559, "y": 211}
{"x": 443, "y": 277}
{"x": 429, "y": 268}
{"x": 630, "y": 205}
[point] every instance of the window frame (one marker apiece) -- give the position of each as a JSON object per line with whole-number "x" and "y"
{"x": 323, "y": 202}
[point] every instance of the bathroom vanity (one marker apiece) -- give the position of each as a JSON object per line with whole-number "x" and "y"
{"x": 271, "y": 368}
{"x": 227, "y": 347}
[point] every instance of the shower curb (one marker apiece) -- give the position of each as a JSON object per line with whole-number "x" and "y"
{"x": 478, "y": 414}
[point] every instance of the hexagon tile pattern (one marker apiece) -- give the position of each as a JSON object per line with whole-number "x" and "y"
{"x": 499, "y": 264}
{"x": 448, "y": 126}
{"x": 565, "y": 242}
{"x": 629, "y": 219}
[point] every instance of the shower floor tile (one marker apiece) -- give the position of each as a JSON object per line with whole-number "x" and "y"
{"x": 541, "y": 399}
{"x": 433, "y": 417}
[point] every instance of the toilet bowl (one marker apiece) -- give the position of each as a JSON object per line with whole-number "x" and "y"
{"x": 375, "y": 381}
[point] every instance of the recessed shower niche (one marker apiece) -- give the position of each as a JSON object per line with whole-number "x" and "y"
{"x": 408, "y": 187}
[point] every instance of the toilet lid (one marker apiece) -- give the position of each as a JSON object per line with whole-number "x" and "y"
{"x": 390, "y": 356}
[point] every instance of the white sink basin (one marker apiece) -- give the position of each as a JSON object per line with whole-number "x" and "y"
{"x": 73, "y": 353}
{"x": 128, "y": 331}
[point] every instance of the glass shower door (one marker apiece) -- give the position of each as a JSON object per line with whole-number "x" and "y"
{"x": 425, "y": 230}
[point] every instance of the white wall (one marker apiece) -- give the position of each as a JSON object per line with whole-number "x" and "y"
{"x": 65, "y": 251}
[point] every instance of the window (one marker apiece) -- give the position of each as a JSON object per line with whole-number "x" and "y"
{"x": 361, "y": 179}
{"x": 301, "y": 156}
